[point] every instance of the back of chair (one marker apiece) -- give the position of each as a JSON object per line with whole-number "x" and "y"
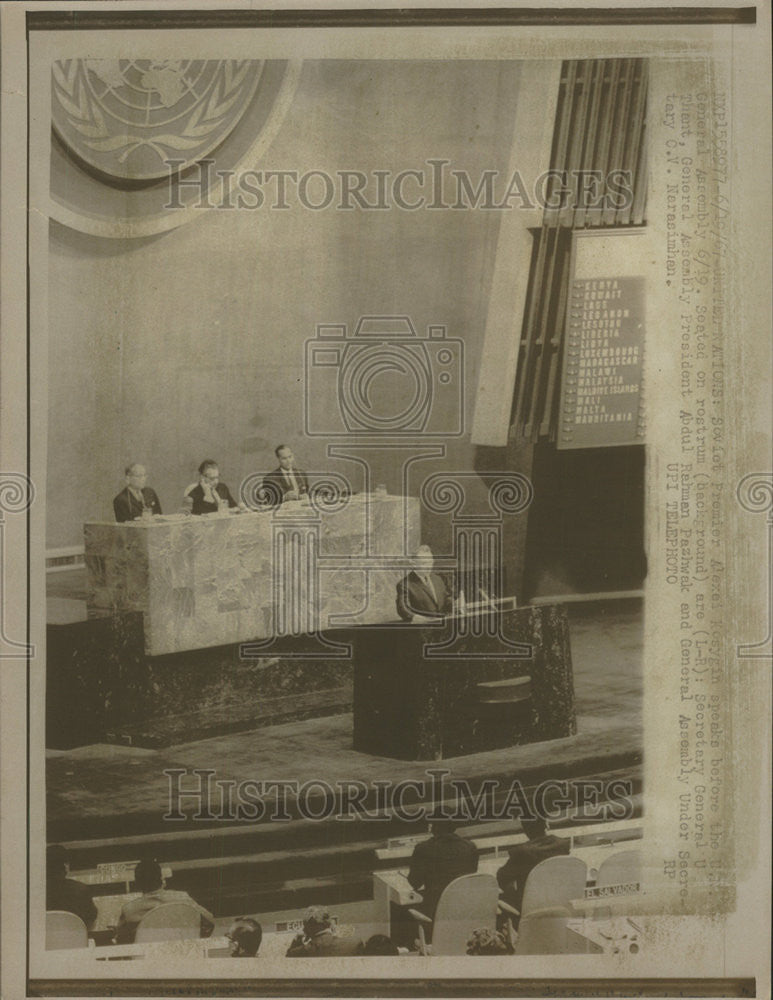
{"x": 65, "y": 930}
{"x": 554, "y": 882}
{"x": 169, "y": 922}
{"x": 466, "y": 904}
{"x": 544, "y": 932}
{"x": 620, "y": 869}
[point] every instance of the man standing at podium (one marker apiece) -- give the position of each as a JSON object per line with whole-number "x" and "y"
{"x": 422, "y": 595}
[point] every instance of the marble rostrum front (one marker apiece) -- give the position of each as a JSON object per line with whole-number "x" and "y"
{"x": 234, "y": 577}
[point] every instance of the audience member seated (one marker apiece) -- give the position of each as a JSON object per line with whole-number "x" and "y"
{"x": 380, "y": 944}
{"x": 438, "y": 861}
{"x": 64, "y": 893}
{"x": 319, "y": 940}
{"x": 523, "y": 857}
{"x": 149, "y": 881}
{"x": 489, "y": 942}
{"x": 209, "y": 495}
{"x": 245, "y": 935}
{"x": 136, "y": 498}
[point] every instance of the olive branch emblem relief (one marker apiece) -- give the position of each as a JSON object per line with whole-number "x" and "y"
{"x": 126, "y": 117}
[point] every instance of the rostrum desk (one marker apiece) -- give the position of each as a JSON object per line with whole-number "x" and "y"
{"x": 234, "y": 577}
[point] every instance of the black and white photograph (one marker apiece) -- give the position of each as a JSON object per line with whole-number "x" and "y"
{"x": 386, "y": 501}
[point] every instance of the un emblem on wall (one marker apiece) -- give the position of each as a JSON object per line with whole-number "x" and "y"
{"x": 126, "y": 117}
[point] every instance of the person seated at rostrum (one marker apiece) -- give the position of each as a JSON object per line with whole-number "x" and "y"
{"x": 63, "y": 893}
{"x": 285, "y": 482}
{"x": 209, "y": 495}
{"x": 136, "y": 498}
{"x": 245, "y": 935}
{"x": 149, "y": 881}
{"x": 319, "y": 940}
{"x": 523, "y": 857}
{"x": 422, "y": 595}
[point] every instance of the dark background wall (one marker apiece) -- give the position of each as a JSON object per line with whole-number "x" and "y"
{"x": 585, "y": 531}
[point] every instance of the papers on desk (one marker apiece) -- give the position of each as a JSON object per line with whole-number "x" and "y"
{"x": 618, "y": 935}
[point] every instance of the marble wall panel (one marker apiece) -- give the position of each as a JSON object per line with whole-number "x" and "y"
{"x": 117, "y": 566}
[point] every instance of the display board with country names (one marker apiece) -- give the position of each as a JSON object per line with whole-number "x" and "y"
{"x": 601, "y": 401}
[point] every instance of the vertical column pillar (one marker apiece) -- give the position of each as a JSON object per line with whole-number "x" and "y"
{"x": 477, "y": 557}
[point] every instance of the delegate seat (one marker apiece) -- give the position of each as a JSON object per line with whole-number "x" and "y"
{"x": 545, "y": 932}
{"x": 554, "y": 882}
{"x": 169, "y": 922}
{"x": 466, "y": 904}
{"x": 65, "y": 930}
{"x": 622, "y": 868}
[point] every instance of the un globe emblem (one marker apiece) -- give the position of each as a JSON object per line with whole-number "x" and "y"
{"x": 126, "y": 118}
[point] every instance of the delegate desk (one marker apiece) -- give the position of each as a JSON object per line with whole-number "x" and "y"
{"x": 426, "y": 692}
{"x": 235, "y": 577}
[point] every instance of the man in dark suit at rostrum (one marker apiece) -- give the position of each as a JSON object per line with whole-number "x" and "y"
{"x": 422, "y": 595}
{"x": 136, "y": 497}
{"x": 523, "y": 857}
{"x": 285, "y": 482}
{"x": 209, "y": 495}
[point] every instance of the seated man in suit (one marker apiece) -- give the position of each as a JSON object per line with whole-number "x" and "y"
{"x": 209, "y": 495}
{"x": 422, "y": 595}
{"x": 319, "y": 940}
{"x": 64, "y": 893}
{"x": 523, "y": 857}
{"x": 438, "y": 861}
{"x": 149, "y": 881}
{"x": 285, "y": 482}
{"x": 136, "y": 498}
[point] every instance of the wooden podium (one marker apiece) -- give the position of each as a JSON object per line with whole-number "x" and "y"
{"x": 468, "y": 684}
